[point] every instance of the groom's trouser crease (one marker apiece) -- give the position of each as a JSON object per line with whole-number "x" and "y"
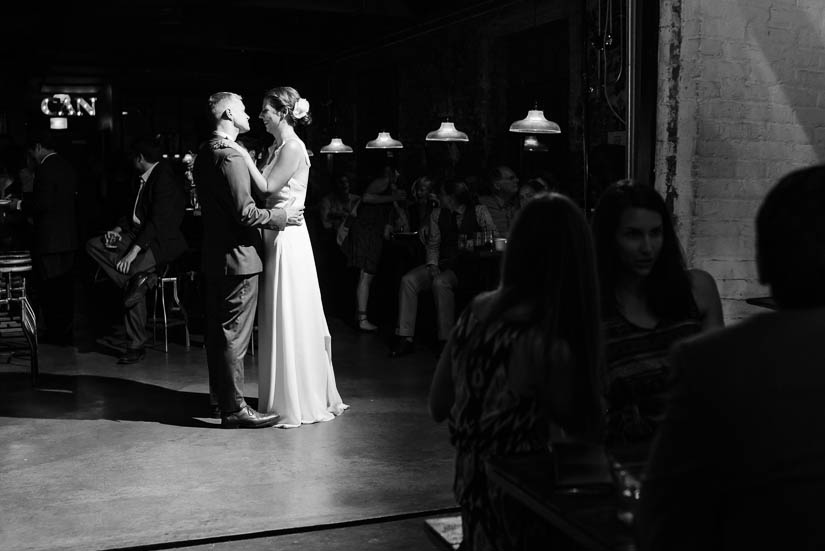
{"x": 230, "y": 316}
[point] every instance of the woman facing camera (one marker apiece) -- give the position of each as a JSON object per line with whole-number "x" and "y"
{"x": 649, "y": 301}
{"x": 521, "y": 358}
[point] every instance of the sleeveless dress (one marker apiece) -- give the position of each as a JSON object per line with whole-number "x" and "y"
{"x": 295, "y": 375}
{"x": 489, "y": 419}
{"x": 638, "y": 375}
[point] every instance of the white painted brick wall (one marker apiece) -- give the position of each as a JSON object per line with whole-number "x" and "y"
{"x": 750, "y": 109}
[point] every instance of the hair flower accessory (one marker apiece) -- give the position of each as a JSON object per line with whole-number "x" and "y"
{"x": 301, "y": 108}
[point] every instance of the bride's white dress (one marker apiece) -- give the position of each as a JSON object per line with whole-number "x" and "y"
{"x": 295, "y": 375}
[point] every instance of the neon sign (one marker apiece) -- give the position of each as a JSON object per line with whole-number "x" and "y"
{"x": 62, "y": 105}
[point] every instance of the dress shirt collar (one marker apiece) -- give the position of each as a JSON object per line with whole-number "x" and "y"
{"x": 145, "y": 175}
{"x": 222, "y": 135}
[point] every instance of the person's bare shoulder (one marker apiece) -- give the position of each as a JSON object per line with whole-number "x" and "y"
{"x": 703, "y": 284}
{"x": 706, "y": 295}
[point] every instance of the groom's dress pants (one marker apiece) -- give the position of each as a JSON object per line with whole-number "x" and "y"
{"x": 230, "y": 316}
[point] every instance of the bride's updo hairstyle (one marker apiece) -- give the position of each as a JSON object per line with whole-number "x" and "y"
{"x": 286, "y": 99}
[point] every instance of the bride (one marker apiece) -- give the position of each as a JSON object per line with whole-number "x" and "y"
{"x": 295, "y": 375}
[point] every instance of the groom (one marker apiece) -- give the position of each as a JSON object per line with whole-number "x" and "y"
{"x": 231, "y": 241}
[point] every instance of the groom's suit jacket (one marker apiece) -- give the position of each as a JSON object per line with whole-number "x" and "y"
{"x": 231, "y": 220}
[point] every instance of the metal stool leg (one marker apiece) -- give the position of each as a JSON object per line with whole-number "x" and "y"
{"x": 165, "y": 321}
{"x": 155, "y": 317}
{"x": 182, "y": 311}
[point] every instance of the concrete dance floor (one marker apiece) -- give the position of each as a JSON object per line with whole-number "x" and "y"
{"x": 103, "y": 456}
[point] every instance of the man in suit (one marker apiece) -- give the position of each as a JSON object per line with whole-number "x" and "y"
{"x": 147, "y": 236}
{"x": 51, "y": 206}
{"x": 230, "y": 258}
{"x": 739, "y": 462}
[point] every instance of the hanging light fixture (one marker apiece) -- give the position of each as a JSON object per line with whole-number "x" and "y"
{"x": 535, "y": 123}
{"x": 335, "y": 145}
{"x": 447, "y": 132}
{"x": 384, "y": 141}
{"x": 310, "y": 153}
{"x": 532, "y": 143}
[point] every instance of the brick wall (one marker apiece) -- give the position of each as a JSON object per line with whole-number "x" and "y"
{"x": 741, "y": 103}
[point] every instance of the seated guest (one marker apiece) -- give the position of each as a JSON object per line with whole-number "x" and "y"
{"x": 337, "y": 205}
{"x": 502, "y": 199}
{"x": 456, "y": 216}
{"x": 147, "y": 236}
{"x": 424, "y": 199}
{"x": 521, "y": 359}
{"x": 739, "y": 462}
{"x": 649, "y": 301}
{"x": 530, "y": 189}
{"x": 415, "y": 217}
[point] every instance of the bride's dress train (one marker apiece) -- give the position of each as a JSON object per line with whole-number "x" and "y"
{"x": 295, "y": 374}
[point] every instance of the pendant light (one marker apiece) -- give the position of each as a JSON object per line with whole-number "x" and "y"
{"x": 447, "y": 132}
{"x": 384, "y": 141}
{"x": 532, "y": 143}
{"x": 535, "y": 123}
{"x": 336, "y": 145}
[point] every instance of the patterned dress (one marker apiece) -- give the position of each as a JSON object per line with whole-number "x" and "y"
{"x": 638, "y": 376}
{"x": 488, "y": 419}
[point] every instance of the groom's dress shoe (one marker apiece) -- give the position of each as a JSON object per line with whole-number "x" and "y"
{"x": 248, "y": 418}
{"x": 137, "y": 287}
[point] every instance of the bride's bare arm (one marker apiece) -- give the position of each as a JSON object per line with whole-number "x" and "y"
{"x": 283, "y": 170}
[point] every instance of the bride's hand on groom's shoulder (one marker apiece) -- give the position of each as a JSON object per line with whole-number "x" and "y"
{"x": 228, "y": 144}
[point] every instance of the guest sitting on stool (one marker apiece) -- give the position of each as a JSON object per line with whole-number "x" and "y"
{"x": 457, "y": 215}
{"x": 144, "y": 238}
{"x": 739, "y": 462}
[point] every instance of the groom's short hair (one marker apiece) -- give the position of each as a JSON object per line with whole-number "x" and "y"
{"x": 218, "y": 101}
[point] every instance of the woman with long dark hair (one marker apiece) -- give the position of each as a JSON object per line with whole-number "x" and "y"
{"x": 522, "y": 357}
{"x": 649, "y": 301}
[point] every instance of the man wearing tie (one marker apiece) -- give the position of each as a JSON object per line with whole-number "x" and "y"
{"x": 147, "y": 236}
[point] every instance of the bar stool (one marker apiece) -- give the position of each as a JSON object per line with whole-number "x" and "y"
{"x": 17, "y": 318}
{"x": 170, "y": 281}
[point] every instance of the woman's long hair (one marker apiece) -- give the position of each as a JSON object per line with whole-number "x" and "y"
{"x": 667, "y": 289}
{"x": 549, "y": 264}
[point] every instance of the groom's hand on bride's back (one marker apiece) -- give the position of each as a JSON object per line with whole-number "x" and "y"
{"x": 294, "y": 216}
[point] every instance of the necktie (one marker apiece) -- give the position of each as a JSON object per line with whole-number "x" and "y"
{"x": 135, "y": 218}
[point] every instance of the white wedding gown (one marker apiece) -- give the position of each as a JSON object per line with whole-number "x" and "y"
{"x": 295, "y": 375}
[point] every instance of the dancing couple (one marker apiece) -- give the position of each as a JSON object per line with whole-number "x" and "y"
{"x": 296, "y": 382}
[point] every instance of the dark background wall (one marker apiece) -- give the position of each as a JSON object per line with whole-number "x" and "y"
{"x": 483, "y": 66}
